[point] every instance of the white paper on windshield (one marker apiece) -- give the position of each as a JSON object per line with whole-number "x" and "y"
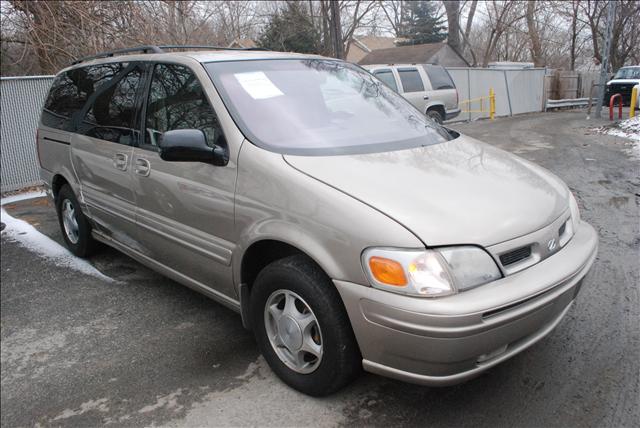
{"x": 258, "y": 85}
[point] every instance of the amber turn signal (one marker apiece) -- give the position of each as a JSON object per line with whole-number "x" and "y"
{"x": 387, "y": 271}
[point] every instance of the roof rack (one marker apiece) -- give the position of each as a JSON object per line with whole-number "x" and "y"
{"x": 158, "y": 49}
{"x": 143, "y": 49}
{"x": 216, "y": 48}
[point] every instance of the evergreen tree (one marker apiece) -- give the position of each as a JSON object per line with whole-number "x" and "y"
{"x": 291, "y": 30}
{"x": 422, "y": 23}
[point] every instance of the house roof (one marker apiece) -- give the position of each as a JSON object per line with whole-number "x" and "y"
{"x": 360, "y": 46}
{"x": 413, "y": 54}
{"x": 372, "y": 43}
{"x": 243, "y": 43}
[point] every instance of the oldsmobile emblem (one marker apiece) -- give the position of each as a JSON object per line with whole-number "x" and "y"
{"x": 552, "y": 244}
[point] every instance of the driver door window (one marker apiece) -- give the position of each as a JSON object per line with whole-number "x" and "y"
{"x": 177, "y": 101}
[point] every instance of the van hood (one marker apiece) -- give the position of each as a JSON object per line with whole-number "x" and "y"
{"x": 458, "y": 192}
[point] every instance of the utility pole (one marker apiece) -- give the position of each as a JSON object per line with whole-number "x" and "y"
{"x": 611, "y": 13}
{"x": 336, "y": 29}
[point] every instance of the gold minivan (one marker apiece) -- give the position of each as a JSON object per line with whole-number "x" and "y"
{"x": 346, "y": 227}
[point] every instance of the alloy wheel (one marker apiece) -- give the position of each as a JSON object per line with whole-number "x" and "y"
{"x": 293, "y": 331}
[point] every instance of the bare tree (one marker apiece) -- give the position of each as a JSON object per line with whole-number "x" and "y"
{"x": 534, "y": 35}
{"x": 355, "y": 15}
{"x": 350, "y": 16}
{"x": 626, "y": 29}
{"x": 452, "y": 9}
{"x": 467, "y": 46}
{"x": 58, "y": 32}
{"x": 501, "y": 16}
{"x": 571, "y": 11}
{"x": 393, "y": 10}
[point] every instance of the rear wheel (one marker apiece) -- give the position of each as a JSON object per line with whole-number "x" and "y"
{"x": 302, "y": 328}
{"x": 435, "y": 115}
{"x": 75, "y": 227}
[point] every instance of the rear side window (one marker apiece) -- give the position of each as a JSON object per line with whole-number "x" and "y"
{"x": 92, "y": 100}
{"x": 177, "y": 101}
{"x": 111, "y": 110}
{"x": 387, "y": 77}
{"x": 411, "y": 81}
{"x": 439, "y": 77}
{"x": 65, "y": 98}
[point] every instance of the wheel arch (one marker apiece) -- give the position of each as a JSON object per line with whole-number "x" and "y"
{"x": 57, "y": 182}
{"x": 256, "y": 257}
{"x": 439, "y": 106}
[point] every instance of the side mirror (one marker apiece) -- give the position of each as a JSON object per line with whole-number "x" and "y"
{"x": 190, "y": 145}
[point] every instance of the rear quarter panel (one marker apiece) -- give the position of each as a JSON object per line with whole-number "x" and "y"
{"x": 54, "y": 154}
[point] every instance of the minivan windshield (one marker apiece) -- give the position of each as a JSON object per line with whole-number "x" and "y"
{"x": 319, "y": 107}
{"x": 628, "y": 73}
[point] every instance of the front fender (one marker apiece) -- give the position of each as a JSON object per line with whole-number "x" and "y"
{"x": 275, "y": 201}
{"x": 294, "y": 235}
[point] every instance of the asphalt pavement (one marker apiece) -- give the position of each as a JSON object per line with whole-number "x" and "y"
{"x": 122, "y": 345}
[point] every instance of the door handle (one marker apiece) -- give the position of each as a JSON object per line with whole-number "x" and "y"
{"x": 143, "y": 167}
{"x": 120, "y": 161}
{"x": 426, "y": 97}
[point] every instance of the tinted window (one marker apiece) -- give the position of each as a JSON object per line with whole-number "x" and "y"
{"x": 387, "y": 77}
{"x": 439, "y": 77}
{"x": 177, "y": 101}
{"x": 319, "y": 107}
{"x": 411, "y": 81}
{"x": 111, "y": 110}
{"x": 65, "y": 97}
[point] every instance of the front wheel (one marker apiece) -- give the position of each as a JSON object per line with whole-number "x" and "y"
{"x": 302, "y": 328}
{"x": 75, "y": 227}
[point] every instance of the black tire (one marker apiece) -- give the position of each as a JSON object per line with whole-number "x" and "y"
{"x": 435, "y": 115}
{"x": 85, "y": 245}
{"x": 341, "y": 361}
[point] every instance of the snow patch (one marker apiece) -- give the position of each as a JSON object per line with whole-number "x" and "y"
{"x": 169, "y": 401}
{"x": 99, "y": 405}
{"x": 28, "y": 236}
{"x": 22, "y": 196}
{"x": 629, "y": 129}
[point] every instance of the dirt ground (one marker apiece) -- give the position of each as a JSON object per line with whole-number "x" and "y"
{"x": 111, "y": 342}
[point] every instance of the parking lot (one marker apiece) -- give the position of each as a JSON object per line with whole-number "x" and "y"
{"x": 113, "y": 342}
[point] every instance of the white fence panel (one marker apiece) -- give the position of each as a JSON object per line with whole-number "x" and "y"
{"x": 21, "y": 99}
{"x": 517, "y": 91}
{"x": 526, "y": 89}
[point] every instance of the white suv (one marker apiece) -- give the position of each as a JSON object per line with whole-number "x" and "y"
{"x": 428, "y": 87}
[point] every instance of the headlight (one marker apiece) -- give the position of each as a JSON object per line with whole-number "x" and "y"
{"x": 575, "y": 212}
{"x": 429, "y": 273}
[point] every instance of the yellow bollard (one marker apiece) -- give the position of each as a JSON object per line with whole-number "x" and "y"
{"x": 492, "y": 103}
{"x": 634, "y": 100}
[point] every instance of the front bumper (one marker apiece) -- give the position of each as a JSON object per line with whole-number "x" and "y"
{"x": 452, "y": 339}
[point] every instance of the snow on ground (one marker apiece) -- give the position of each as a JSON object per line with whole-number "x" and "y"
{"x": 26, "y": 235}
{"x": 629, "y": 129}
{"x": 22, "y": 196}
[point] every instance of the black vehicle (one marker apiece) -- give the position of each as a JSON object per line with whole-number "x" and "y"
{"x": 622, "y": 83}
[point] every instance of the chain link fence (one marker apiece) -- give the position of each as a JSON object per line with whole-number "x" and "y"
{"x": 21, "y": 99}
